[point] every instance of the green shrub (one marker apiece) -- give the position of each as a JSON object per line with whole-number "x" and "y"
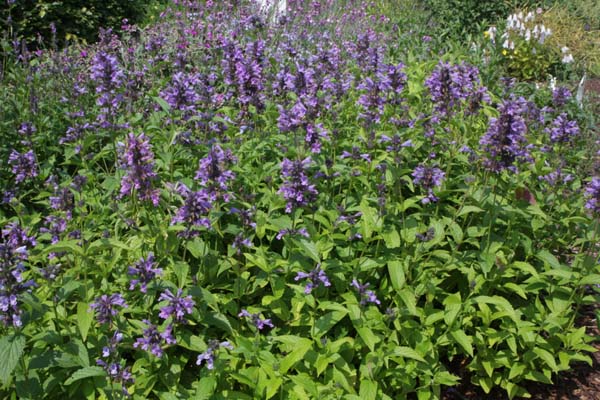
{"x": 75, "y": 20}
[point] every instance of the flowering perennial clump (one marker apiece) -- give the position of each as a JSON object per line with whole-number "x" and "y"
{"x": 153, "y": 340}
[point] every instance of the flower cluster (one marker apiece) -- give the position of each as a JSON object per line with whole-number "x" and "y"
{"x": 144, "y": 272}
{"x": 428, "y": 178}
{"x": 153, "y": 339}
{"x": 592, "y": 192}
{"x": 177, "y": 306}
{"x": 137, "y": 160}
{"x": 106, "y": 307}
{"x": 316, "y": 277}
{"x": 14, "y": 244}
{"x": 111, "y": 363}
{"x": 296, "y": 188}
{"x": 24, "y": 165}
{"x": 505, "y": 141}
{"x": 449, "y": 85}
{"x": 562, "y": 129}
{"x": 214, "y": 173}
{"x": 209, "y": 354}
{"x": 256, "y": 320}
{"x": 194, "y": 212}
{"x": 366, "y": 296}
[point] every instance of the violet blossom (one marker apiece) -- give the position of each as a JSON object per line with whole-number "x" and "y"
{"x": 144, "y": 272}
{"x": 257, "y": 321}
{"x": 137, "y": 159}
{"x": 316, "y": 278}
{"x": 177, "y": 307}
{"x": 209, "y": 355}
{"x": 296, "y": 188}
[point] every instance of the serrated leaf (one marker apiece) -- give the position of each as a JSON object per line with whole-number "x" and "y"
{"x": 11, "y": 350}
{"x": 301, "y": 347}
{"x": 85, "y": 373}
{"x": 468, "y": 210}
{"x": 308, "y": 249}
{"x": 547, "y": 357}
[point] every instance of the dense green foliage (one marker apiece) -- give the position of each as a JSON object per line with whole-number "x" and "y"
{"x": 224, "y": 205}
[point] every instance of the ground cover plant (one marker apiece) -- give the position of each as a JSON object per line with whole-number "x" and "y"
{"x": 227, "y": 205}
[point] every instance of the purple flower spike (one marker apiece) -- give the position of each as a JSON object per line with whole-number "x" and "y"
{"x": 592, "y": 192}
{"x": 209, "y": 354}
{"x": 366, "y": 296}
{"x": 144, "y": 272}
{"x": 428, "y": 178}
{"x": 106, "y": 307}
{"x": 153, "y": 340}
{"x": 24, "y": 165}
{"x": 505, "y": 141}
{"x": 562, "y": 129}
{"x": 214, "y": 173}
{"x": 257, "y": 321}
{"x": 137, "y": 160}
{"x": 296, "y": 189}
{"x": 178, "y": 306}
{"x": 194, "y": 212}
{"x": 316, "y": 277}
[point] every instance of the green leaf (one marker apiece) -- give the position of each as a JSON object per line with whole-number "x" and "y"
{"x": 85, "y": 373}
{"x": 466, "y": 342}
{"x": 301, "y": 346}
{"x": 205, "y": 388}
{"x": 163, "y": 104}
{"x": 397, "y": 277}
{"x": 445, "y": 378}
{"x": 368, "y": 390}
{"x": 181, "y": 270}
{"x": 547, "y": 357}
{"x": 592, "y": 279}
{"x": 407, "y": 352}
{"x": 84, "y": 319}
{"x": 328, "y": 321}
{"x": 468, "y": 210}
{"x": 309, "y": 249}
{"x": 391, "y": 239}
{"x": 11, "y": 350}
{"x": 549, "y": 259}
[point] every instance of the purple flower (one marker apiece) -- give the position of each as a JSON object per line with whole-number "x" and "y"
{"x": 428, "y": 178}
{"x": 505, "y": 141}
{"x": 153, "y": 340}
{"x": 316, "y": 277}
{"x": 54, "y": 226}
{"x": 13, "y": 254}
{"x": 194, "y": 212}
{"x": 296, "y": 188}
{"x": 137, "y": 160}
{"x": 112, "y": 364}
{"x": 243, "y": 71}
{"x": 560, "y": 96}
{"x": 562, "y": 130}
{"x": 24, "y": 165}
{"x": 106, "y": 72}
{"x": 285, "y": 232}
{"x": 183, "y": 91}
{"x": 106, "y": 307}
{"x": 556, "y": 177}
{"x": 450, "y": 85}
{"x": 177, "y": 307}
{"x": 144, "y": 272}
{"x": 214, "y": 173}
{"x": 209, "y": 354}
{"x": 592, "y": 192}
{"x": 366, "y": 296}
{"x": 256, "y": 320}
